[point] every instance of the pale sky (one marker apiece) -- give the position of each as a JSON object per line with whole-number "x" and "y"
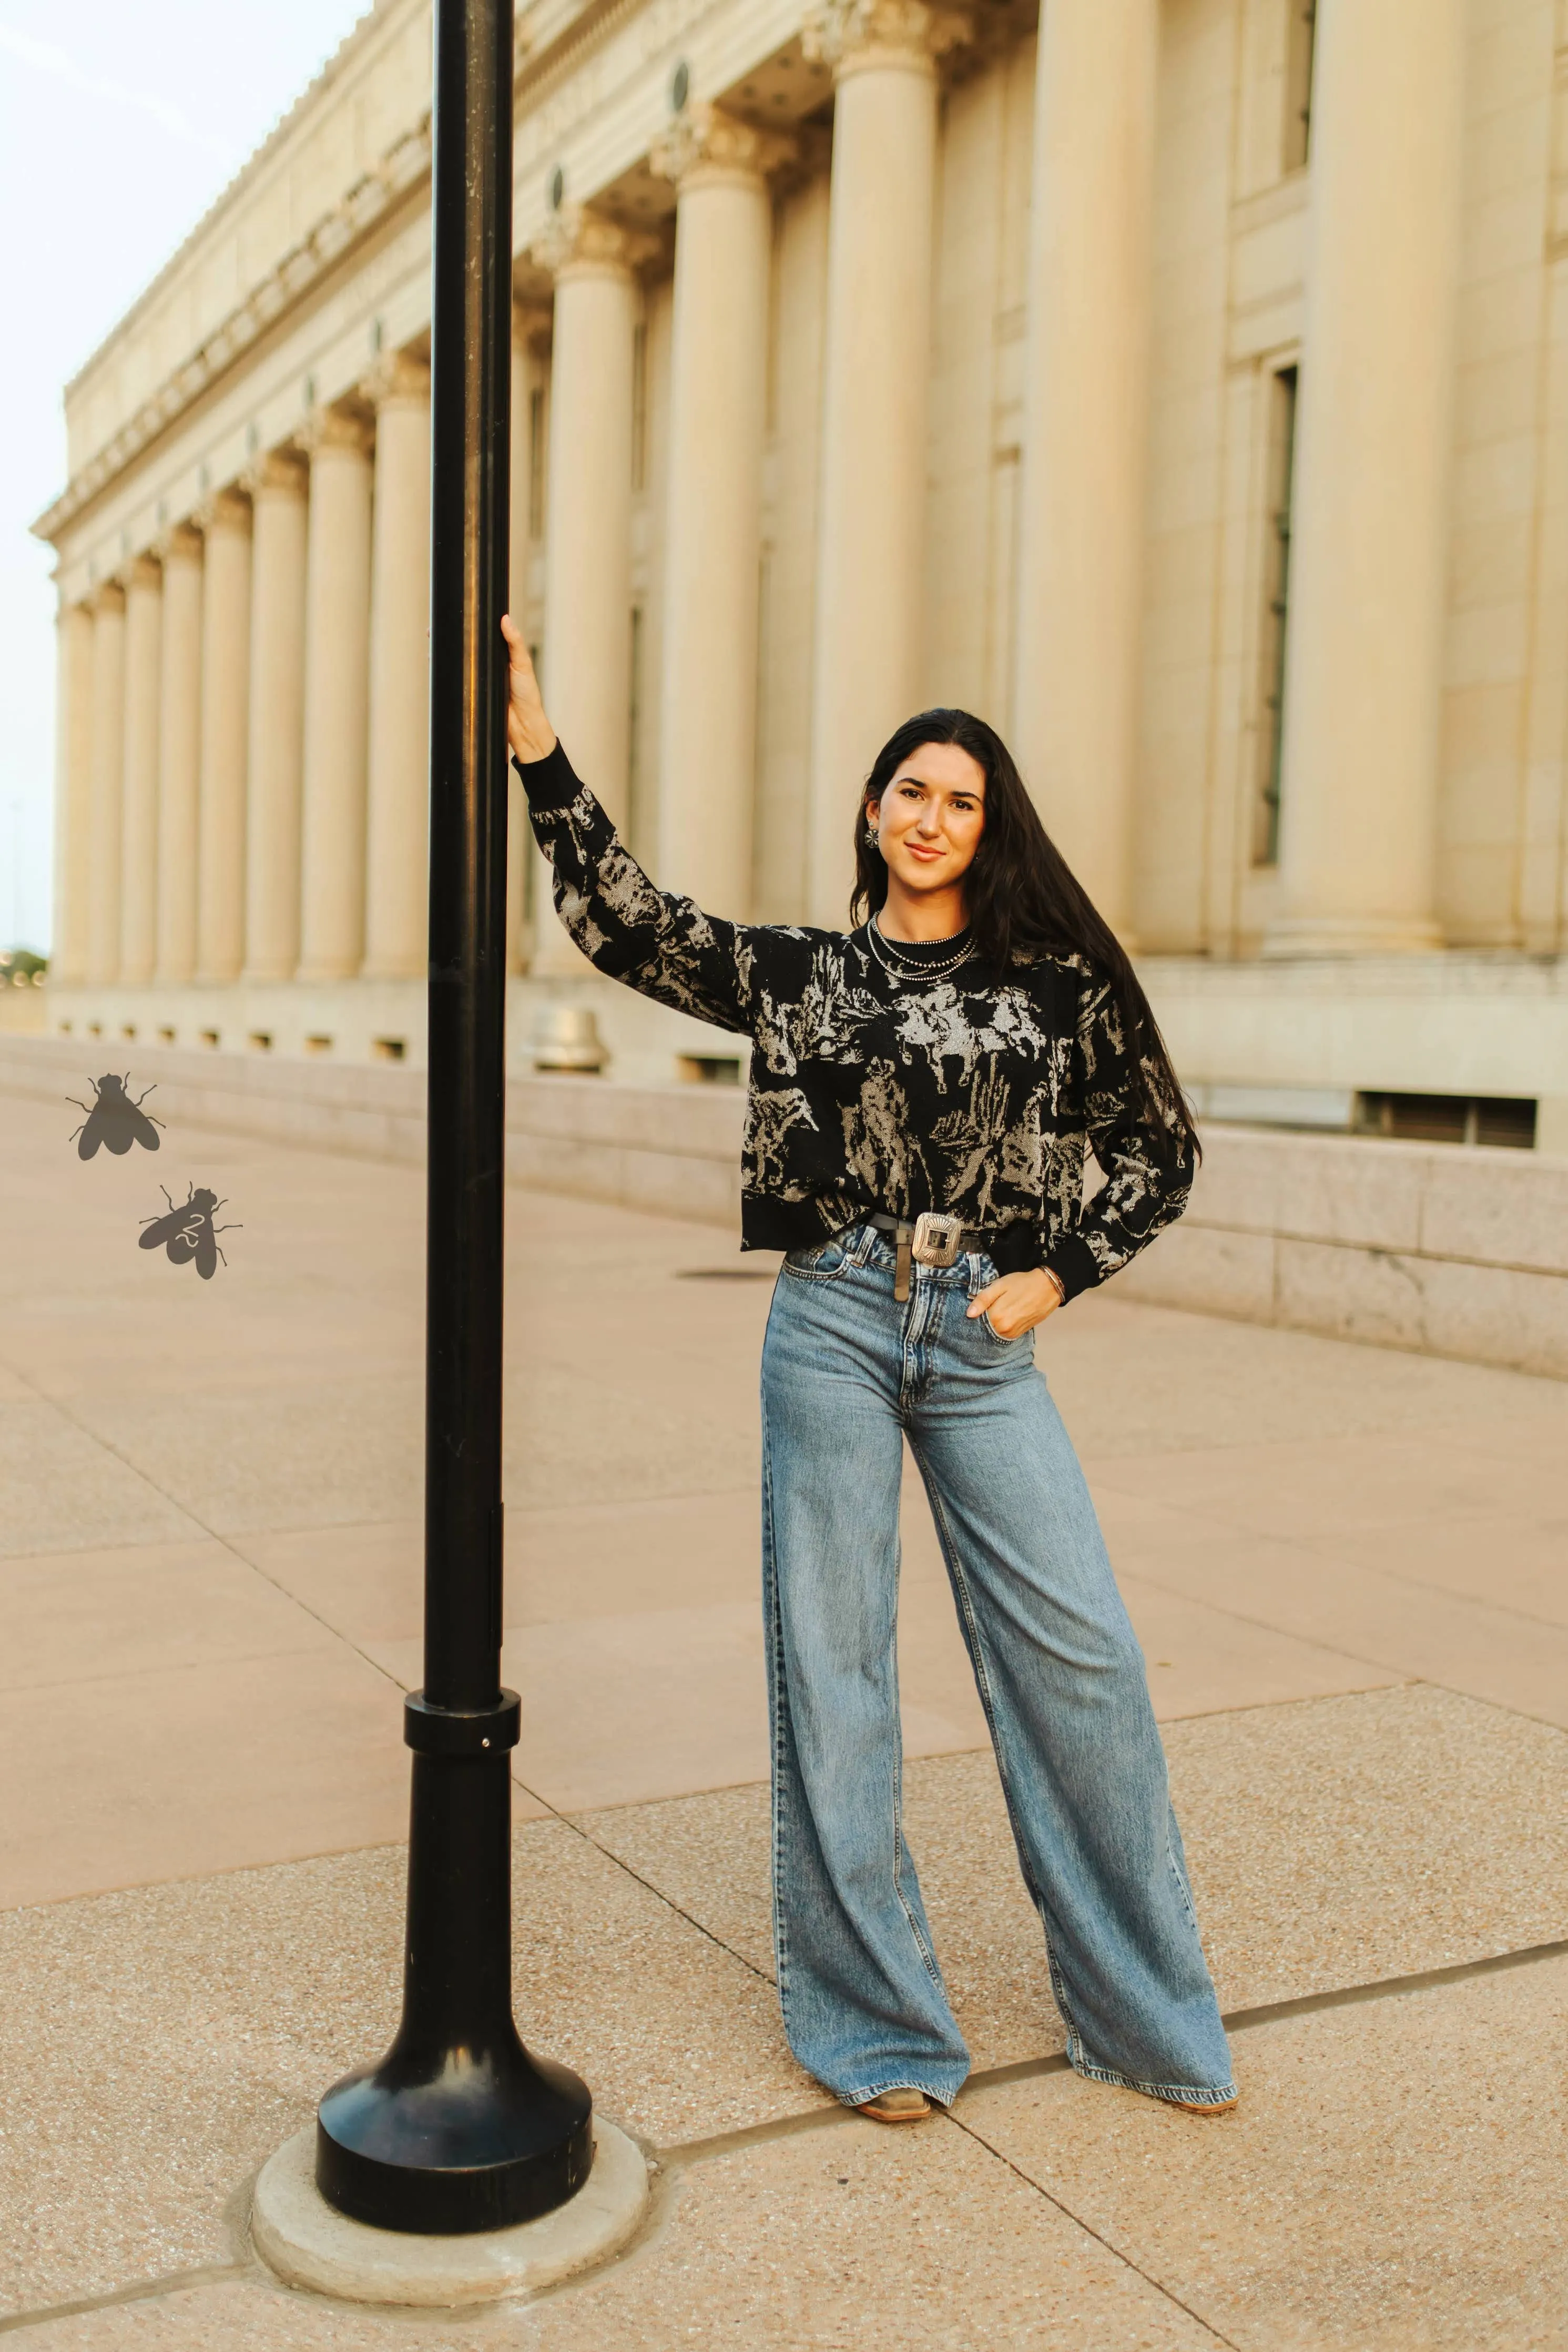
{"x": 118, "y": 126}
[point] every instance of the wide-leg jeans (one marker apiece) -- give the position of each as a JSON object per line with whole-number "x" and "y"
{"x": 847, "y": 1373}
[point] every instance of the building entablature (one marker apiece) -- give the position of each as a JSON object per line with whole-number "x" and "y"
{"x": 306, "y": 269}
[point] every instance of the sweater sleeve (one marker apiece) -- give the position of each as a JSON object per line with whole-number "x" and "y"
{"x": 662, "y": 945}
{"x": 1147, "y": 1161}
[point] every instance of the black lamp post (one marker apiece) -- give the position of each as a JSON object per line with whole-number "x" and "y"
{"x": 458, "y": 2129}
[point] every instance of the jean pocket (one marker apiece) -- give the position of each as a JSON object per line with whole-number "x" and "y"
{"x": 985, "y": 1273}
{"x": 820, "y": 1263}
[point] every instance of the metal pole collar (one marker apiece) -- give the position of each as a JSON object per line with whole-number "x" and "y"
{"x": 461, "y": 1730}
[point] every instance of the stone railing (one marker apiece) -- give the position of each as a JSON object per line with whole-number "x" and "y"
{"x": 672, "y": 1150}
{"x": 1443, "y": 1251}
{"x": 1450, "y": 1252}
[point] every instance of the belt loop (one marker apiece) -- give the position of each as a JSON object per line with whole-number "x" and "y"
{"x": 903, "y": 1236}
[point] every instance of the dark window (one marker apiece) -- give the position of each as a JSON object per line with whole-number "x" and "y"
{"x": 1495, "y": 1120}
{"x": 1276, "y": 614}
{"x": 1302, "y": 41}
{"x": 640, "y": 406}
{"x": 536, "y": 463}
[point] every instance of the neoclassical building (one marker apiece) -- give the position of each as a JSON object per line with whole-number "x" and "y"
{"x": 1179, "y": 382}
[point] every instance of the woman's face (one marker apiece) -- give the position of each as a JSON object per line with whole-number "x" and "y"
{"x": 931, "y": 817}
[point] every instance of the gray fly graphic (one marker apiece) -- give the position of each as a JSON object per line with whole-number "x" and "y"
{"x": 115, "y": 1119}
{"x": 188, "y": 1232}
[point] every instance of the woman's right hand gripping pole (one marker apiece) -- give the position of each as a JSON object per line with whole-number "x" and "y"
{"x": 528, "y": 731}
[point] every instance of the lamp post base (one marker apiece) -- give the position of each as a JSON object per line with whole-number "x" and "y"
{"x": 309, "y": 2243}
{"x": 440, "y": 2152}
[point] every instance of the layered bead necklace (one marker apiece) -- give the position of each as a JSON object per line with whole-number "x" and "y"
{"x": 885, "y": 951}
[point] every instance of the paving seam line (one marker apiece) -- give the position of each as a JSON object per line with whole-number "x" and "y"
{"x": 1237, "y": 2022}
{"x": 681, "y": 2154}
{"x": 1167, "y": 2295}
{"x": 214, "y": 1535}
{"x": 233, "y": 1549}
{"x": 1404, "y": 1678}
{"x": 140, "y": 2291}
{"x": 569, "y": 1822}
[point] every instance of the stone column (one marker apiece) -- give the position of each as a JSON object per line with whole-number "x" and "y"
{"x": 397, "y": 816}
{"x": 226, "y": 524}
{"x": 1081, "y": 524}
{"x": 278, "y": 502}
{"x": 876, "y": 370}
{"x": 108, "y": 757}
{"x": 139, "y": 824}
{"x": 337, "y": 699}
{"x": 1368, "y": 556}
{"x": 718, "y": 381}
{"x": 179, "y": 754}
{"x": 588, "y": 589}
{"x": 73, "y": 794}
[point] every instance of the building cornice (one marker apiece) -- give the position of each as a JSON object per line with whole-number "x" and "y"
{"x": 404, "y": 166}
{"x": 250, "y": 171}
{"x": 556, "y": 40}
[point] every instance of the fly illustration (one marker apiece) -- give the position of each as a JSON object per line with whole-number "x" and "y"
{"x": 115, "y": 1119}
{"x": 189, "y": 1232}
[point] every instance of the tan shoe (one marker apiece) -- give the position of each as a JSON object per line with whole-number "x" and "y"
{"x": 902, "y": 2106}
{"x": 1192, "y": 2107}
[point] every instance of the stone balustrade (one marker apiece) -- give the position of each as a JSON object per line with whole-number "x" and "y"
{"x": 1442, "y": 1251}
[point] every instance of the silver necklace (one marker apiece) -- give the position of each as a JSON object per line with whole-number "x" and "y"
{"x": 886, "y": 953}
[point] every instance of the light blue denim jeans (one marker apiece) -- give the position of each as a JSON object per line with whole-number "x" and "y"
{"x": 847, "y": 1375}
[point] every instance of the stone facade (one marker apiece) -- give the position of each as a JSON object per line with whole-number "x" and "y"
{"x": 1182, "y": 385}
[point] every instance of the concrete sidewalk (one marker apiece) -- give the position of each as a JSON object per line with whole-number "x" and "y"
{"x": 1347, "y": 1568}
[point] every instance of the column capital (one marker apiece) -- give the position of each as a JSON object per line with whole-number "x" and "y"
{"x": 109, "y": 596}
{"x": 143, "y": 571}
{"x": 528, "y": 319}
{"x": 226, "y": 510}
{"x": 852, "y": 36}
{"x": 181, "y": 542}
{"x": 397, "y": 375}
{"x": 704, "y": 144}
{"x": 582, "y": 242}
{"x": 276, "y": 469}
{"x": 338, "y": 427}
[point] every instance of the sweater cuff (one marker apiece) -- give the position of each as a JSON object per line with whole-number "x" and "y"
{"x": 1075, "y": 1266}
{"x": 549, "y": 783}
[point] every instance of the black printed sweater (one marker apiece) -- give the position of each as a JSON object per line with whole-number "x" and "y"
{"x": 868, "y": 1092}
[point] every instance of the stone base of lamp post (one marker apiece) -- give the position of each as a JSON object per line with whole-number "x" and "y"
{"x": 309, "y": 2243}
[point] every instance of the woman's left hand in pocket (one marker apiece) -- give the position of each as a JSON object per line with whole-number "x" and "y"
{"x": 1017, "y": 1302}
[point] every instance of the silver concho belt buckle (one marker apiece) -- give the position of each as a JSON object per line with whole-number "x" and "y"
{"x": 938, "y": 1238}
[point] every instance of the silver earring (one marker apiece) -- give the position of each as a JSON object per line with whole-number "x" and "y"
{"x": 874, "y": 838}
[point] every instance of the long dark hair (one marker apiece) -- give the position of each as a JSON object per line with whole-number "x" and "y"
{"x": 1024, "y": 899}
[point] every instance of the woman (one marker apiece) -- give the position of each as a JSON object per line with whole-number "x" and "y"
{"x": 924, "y": 1092}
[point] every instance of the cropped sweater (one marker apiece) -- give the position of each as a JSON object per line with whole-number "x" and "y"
{"x": 869, "y": 1091}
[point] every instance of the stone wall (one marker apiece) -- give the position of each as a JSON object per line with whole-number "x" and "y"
{"x": 1445, "y": 1252}
{"x": 672, "y": 1150}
